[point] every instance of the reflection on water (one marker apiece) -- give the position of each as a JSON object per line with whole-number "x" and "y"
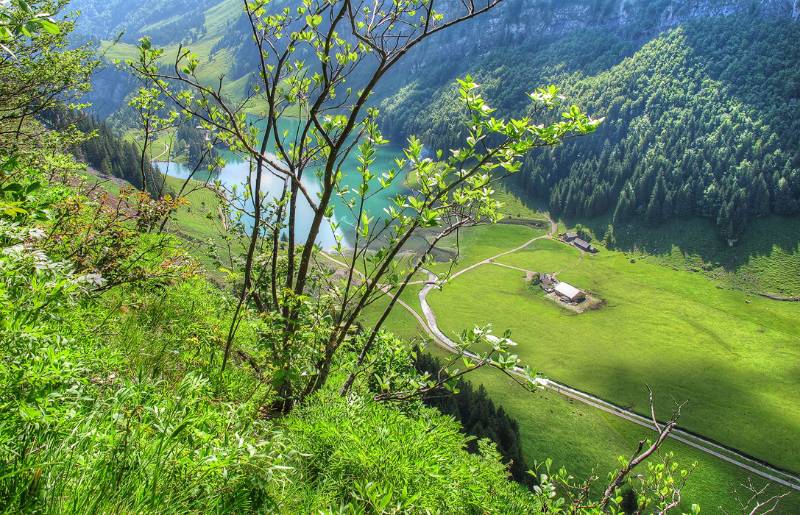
{"x": 235, "y": 174}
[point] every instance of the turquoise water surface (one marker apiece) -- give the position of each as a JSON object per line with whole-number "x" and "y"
{"x": 236, "y": 171}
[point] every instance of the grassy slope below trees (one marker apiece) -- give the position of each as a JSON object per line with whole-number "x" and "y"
{"x": 199, "y": 224}
{"x": 586, "y": 440}
{"x": 766, "y": 260}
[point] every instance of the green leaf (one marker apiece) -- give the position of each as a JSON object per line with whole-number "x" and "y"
{"x": 49, "y": 26}
{"x": 313, "y": 20}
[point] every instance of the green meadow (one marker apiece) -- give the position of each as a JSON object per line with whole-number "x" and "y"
{"x": 475, "y": 244}
{"x": 585, "y": 440}
{"x": 588, "y": 441}
{"x": 766, "y": 260}
{"x": 732, "y": 356}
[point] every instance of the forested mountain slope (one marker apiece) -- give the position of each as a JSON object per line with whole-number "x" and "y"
{"x": 702, "y": 120}
{"x": 701, "y": 97}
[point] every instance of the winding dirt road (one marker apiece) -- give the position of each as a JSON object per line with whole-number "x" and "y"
{"x": 732, "y": 456}
{"x": 430, "y": 325}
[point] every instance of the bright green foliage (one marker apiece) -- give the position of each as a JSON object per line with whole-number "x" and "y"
{"x": 98, "y": 414}
{"x": 362, "y": 453}
{"x": 39, "y": 74}
{"x": 113, "y": 402}
{"x": 106, "y": 417}
{"x": 20, "y": 19}
{"x": 115, "y": 394}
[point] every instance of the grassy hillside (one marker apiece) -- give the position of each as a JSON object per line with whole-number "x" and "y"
{"x": 472, "y": 245}
{"x": 766, "y": 260}
{"x": 729, "y": 354}
{"x": 586, "y": 440}
{"x": 715, "y": 347}
{"x": 114, "y": 399}
{"x": 200, "y": 223}
{"x": 213, "y": 66}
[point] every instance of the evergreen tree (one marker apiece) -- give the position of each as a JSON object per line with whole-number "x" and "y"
{"x": 655, "y": 208}
{"x": 479, "y": 417}
{"x": 760, "y": 198}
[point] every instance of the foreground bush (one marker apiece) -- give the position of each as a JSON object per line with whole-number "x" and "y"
{"x": 112, "y": 401}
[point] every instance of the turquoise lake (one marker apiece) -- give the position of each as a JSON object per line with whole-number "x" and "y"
{"x": 236, "y": 171}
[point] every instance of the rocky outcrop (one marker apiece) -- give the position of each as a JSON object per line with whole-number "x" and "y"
{"x": 529, "y": 19}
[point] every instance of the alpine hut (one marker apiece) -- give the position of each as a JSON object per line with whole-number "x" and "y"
{"x": 569, "y": 293}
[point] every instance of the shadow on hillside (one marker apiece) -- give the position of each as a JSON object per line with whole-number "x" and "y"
{"x": 730, "y": 397}
{"x": 512, "y": 187}
{"x": 700, "y": 238}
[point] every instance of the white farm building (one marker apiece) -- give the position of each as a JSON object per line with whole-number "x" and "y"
{"x": 569, "y": 293}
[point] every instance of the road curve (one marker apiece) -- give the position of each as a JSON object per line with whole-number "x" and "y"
{"x": 430, "y": 325}
{"x": 700, "y": 443}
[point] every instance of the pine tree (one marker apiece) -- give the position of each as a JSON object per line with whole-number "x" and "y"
{"x": 760, "y": 198}
{"x": 655, "y": 208}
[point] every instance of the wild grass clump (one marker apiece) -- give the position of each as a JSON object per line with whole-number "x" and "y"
{"x": 363, "y": 453}
{"x": 110, "y": 407}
